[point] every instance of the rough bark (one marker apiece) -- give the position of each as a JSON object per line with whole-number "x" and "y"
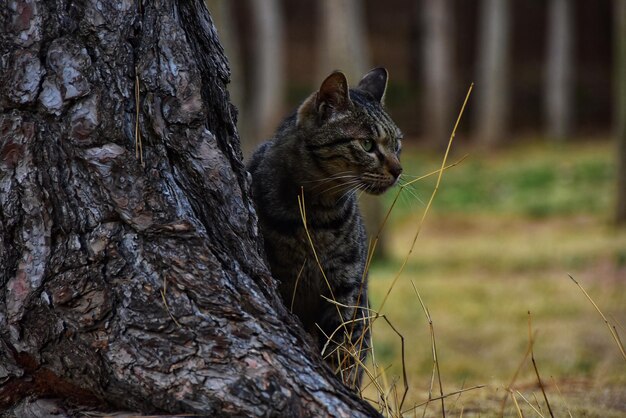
{"x": 559, "y": 69}
{"x": 130, "y": 285}
{"x": 492, "y": 86}
{"x": 620, "y": 108}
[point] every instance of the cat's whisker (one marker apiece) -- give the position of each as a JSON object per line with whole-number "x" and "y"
{"x": 341, "y": 174}
{"x": 317, "y": 187}
{"x": 364, "y": 189}
{"x": 353, "y": 191}
{"x": 408, "y": 188}
{"x": 338, "y": 187}
{"x": 346, "y": 178}
{"x": 361, "y": 193}
{"x": 349, "y": 192}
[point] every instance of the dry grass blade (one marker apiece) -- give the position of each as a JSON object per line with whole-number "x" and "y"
{"x": 384, "y": 392}
{"x": 517, "y": 408}
{"x": 612, "y": 330}
{"x": 432, "y": 173}
{"x": 447, "y": 395}
{"x": 509, "y": 388}
{"x": 529, "y": 404}
{"x": 561, "y": 396}
{"x": 295, "y": 286}
{"x": 532, "y": 357}
{"x": 138, "y": 143}
{"x": 167, "y": 308}
{"x": 373, "y": 315}
{"x": 434, "y": 351}
{"x": 430, "y": 201}
{"x": 405, "y": 380}
{"x": 302, "y": 208}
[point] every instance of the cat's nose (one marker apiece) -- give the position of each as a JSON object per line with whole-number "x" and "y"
{"x": 395, "y": 169}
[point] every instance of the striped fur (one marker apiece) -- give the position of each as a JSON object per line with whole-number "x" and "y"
{"x": 337, "y": 143}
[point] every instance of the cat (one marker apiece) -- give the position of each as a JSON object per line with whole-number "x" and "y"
{"x": 338, "y": 142}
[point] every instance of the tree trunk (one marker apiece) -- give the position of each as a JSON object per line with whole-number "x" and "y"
{"x": 438, "y": 70}
{"x": 559, "y": 69}
{"x": 130, "y": 282}
{"x": 267, "y": 96}
{"x": 620, "y": 106}
{"x": 492, "y": 86}
{"x": 343, "y": 41}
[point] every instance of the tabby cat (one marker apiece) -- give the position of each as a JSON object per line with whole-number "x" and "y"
{"x": 338, "y": 142}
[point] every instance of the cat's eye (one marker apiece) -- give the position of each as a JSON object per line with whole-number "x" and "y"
{"x": 367, "y": 144}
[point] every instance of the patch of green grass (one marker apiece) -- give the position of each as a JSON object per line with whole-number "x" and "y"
{"x": 530, "y": 182}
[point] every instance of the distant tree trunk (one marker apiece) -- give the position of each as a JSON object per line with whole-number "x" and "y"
{"x": 343, "y": 40}
{"x": 620, "y": 106}
{"x": 559, "y": 69}
{"x": 267, "y": 95}
{"x": 128, "y": 282}
{"x": 438, "y": 69}
{"x": 493, "y": 69}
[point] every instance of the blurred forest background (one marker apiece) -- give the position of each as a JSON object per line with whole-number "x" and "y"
{"x": 541, "y": 193}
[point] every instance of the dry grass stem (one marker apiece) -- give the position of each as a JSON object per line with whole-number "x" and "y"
{"x": 295, "y": 286}
{"x": 529, "y": 404}
{"x": 612, "y": 329}
{"x": 509, "y": 388}
{"x": 302, "y": 208}
{"x": 532, "y": 357}
{"x": 517, "y": 408}
{"x": 167, "y": 308}
{"x": 404, "y": 377}
{"x": 561, "y": 396}
{"x": 430, "y": 201}
{"x": 138, "y": 143}
{"x": 447, "y": 395}
{"x": 434, "y": 352}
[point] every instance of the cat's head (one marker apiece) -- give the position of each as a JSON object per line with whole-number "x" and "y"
{"x": 348, "y": 134}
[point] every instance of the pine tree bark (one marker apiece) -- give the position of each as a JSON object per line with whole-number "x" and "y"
{"x": 129, "y": 282}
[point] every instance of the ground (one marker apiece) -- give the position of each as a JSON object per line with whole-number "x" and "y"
{"x": 496, "y": 249}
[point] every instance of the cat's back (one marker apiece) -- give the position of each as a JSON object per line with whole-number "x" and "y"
{"x": 258, "y": 157}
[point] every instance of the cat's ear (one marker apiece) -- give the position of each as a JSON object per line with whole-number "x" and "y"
{"x": 375, "y": 83}
{"x": 333, "y": 97}
{"x": 334, "y": 93}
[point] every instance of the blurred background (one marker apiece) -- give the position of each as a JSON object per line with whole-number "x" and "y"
{"x": 540, "y": 192}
